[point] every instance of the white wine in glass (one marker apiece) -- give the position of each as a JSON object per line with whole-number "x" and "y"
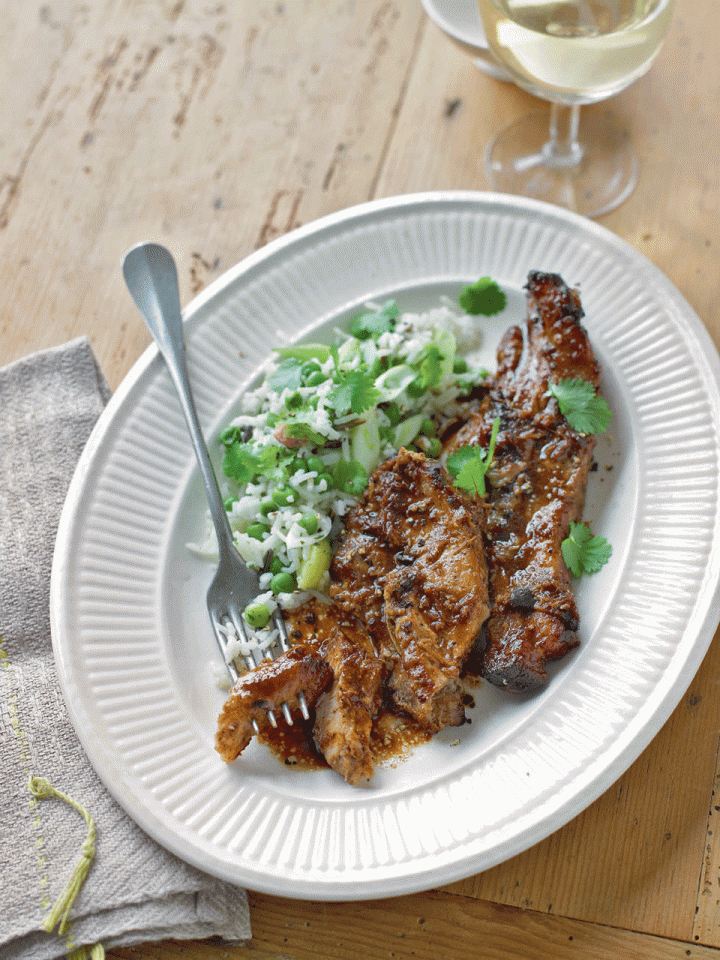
{"x": 570, "y": 52}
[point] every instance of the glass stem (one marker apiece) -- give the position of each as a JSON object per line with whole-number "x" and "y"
{"x": 563, "y": 148}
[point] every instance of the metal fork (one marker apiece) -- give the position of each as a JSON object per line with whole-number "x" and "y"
{"x": 151, "y": 277}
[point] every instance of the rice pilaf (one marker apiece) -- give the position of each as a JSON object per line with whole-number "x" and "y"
{"x": 299, "y": 454}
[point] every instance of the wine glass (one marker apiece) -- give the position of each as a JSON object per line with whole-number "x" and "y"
{"x": 570, "y": 52}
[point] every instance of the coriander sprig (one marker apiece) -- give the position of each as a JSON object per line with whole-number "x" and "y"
{"x": 584, "y": 409}
{"x": 583, "y": 552}
{"x": 469, "y": 465}
{"x": 483, "y": 297}
{"x": 355, "y": 392}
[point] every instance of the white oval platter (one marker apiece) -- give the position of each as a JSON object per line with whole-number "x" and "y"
{"x": 130, "y": 631}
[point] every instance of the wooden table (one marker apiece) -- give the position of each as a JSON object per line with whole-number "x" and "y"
{"x": 213, "y": 127}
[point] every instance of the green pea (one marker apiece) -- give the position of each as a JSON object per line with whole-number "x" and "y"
{"x": 266, "y": 507}
{"x": 434, "y": 447}
{"x": 284, "y": 496}
{"x": 297, "y": 465}
{"x": 327, "y": 478}
{"x": 257, "y": 531}
{"x": 283, "y": 582}
{"x": 309, "y": 523}
{"x": 460, "y": 365}
{"x": 357, "y": 485}
{"x": 428, "y": 428}
{"x": 315, "y": 464}
{"x": 315, "y": 379}
{"x": 257, "y": 615}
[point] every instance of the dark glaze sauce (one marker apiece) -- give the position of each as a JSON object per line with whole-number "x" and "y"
{"x": 394, "y": 737}
{"x": 294, "y": 745}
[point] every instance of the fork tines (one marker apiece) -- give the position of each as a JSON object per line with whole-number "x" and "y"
{"x": 252, "y": 660}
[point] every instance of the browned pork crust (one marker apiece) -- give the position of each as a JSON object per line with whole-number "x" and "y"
{"x": 538, "y": 479}
{"x": 345, "y": 711}
{"x": 411, "y": 566}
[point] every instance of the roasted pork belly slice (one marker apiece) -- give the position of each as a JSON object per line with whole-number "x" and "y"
{"x": 267, "y": 687}
{"x": 537, "y": 487}
{"x": 425, "y": 681}
{"x": 553, "y": 346}
{"x": 520, "y": 644}
{"x": 345, "y": 711}
{"x": 358, "y": 570}
{"x": 412, "y": 552}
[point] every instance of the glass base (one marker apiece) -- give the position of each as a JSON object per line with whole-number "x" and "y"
{"x": 594, "y": 180}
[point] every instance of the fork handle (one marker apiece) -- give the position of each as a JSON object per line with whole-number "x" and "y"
{"x": 151, "y": 276}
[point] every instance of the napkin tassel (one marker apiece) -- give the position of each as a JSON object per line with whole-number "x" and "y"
{"x": 96, "y": 952}
{"x": 42, "y": 789}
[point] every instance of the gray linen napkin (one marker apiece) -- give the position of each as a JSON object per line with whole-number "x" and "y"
{"x": 135, "y": 890}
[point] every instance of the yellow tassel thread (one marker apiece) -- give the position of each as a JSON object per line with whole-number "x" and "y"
{"x": 97, "y": 952}
{"x": 42, "y": 789}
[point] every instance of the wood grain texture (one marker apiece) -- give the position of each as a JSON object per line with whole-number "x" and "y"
{"x": 207, "y": 131}
{"x": 427, "y": 925}
{"x": 215, "y": 127}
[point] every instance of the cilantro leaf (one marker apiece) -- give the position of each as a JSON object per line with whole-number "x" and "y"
{"x": 355, "y": 393}
{"x": 243, "y": 461}
{"x": 374, "y": 322}
{"x": 582, "y": 552}
{"x": 459, "y": 459}
{"x": 482, "y": 297}
{"x": 429, "y": 367}
{"x": 234, "y": 433}
{"x": 239, "y": 463}
{"x": 299, "y": 429}
{"x": 469, "y": 465}
{"x": 286, "y": 374}
{"x": 471, "y": 476}
{"x": 583, "y": 409}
